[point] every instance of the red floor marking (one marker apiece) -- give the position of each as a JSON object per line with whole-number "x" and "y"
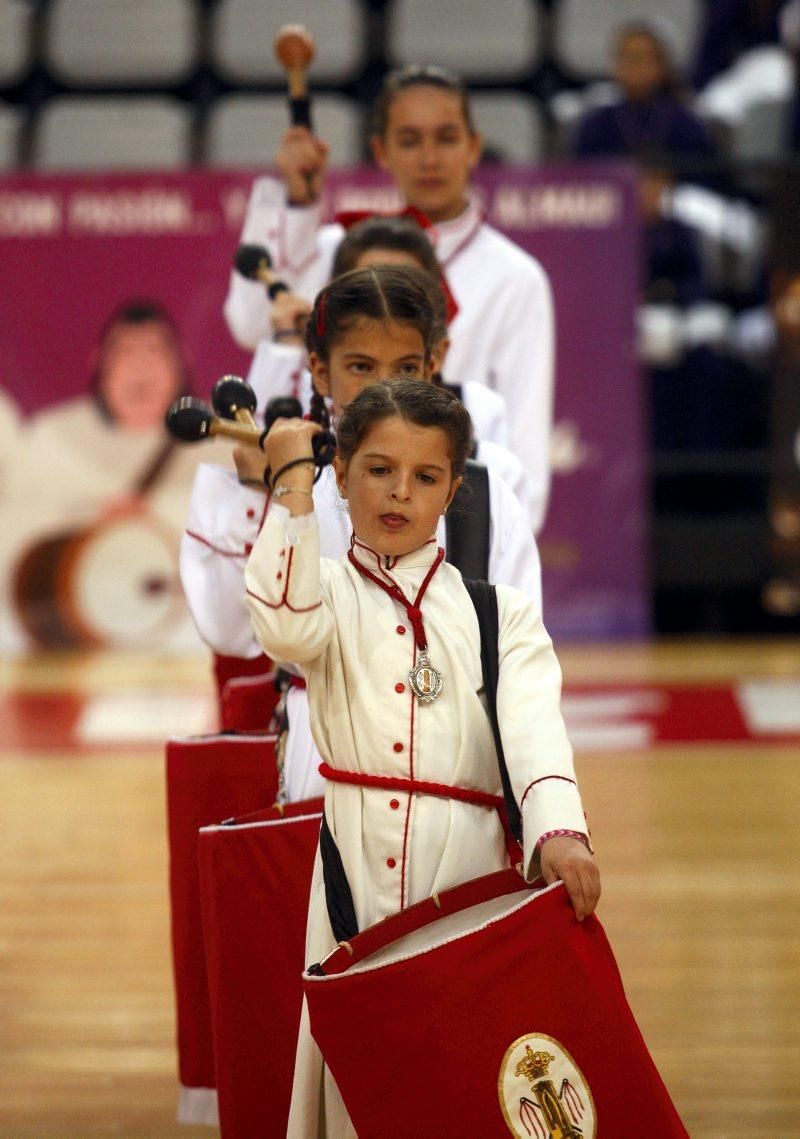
{"x": 671, "y": 714}
{"x": 682, "y": 713}
{"x": 39, "y": 720}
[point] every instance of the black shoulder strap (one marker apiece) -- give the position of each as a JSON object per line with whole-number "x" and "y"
{"x": 468, "y": 524}
{"x": 484, "y": 598}
{"x": 338, "y": 896}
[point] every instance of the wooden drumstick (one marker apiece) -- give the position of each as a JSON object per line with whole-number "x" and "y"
{"x": 255, "y": 263}
{"x": 294, "y": 50}
{"x": 191, "y": 420}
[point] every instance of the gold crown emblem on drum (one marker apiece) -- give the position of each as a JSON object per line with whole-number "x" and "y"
{"x": 535, "y": 1064}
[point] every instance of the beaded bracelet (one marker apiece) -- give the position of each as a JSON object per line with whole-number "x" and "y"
{"x": 562, "y": 834}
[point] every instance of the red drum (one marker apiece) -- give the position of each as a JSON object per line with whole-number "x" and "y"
{"x": 486, "y": 1011}
{"x": 255, "y": 878}
{"x": 248, "y": 702}
{"x": 208, "y": 778}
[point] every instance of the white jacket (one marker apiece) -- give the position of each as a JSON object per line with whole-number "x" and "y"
{"x": 355, "y": 646}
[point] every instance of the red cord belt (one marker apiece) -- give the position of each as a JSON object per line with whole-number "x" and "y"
{"x": 413, "y": 786}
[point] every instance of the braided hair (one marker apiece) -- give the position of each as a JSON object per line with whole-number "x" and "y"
{"x": 403, "y": 235}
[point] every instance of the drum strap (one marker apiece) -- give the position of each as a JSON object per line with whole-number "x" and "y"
{"x": 154, "y": 469}
{"x": 468, "y": 524}
{"x": 484, "y": 598}
{"x": 338, "y": 895}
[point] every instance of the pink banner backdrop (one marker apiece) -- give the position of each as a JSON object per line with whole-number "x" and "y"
{"x": 73, "y": 248}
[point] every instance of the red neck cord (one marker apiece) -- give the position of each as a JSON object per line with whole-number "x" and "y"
{"x": 412, "y": 608}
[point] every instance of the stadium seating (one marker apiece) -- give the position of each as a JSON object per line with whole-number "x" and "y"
{"x": 94, "y": 133}
{"x": 243, "y": 32}
{"x": 118, "y": 42}
{"x": 15, "y": 18}
{"x": 10, "y": 121}
{"x": 244, "y": 130}
{"x": 501, "y": 40}
{"x": 584, "y": 30}
{"x": 511, "y": 126}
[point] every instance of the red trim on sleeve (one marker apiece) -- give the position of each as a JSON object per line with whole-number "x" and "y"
{"x": 561, "y": 834}
{"x": 283, "y": 603}
{"x": 563, "y": 778}
{"x": 217, "y": 549}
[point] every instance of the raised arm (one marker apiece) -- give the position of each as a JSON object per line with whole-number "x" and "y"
{"x": 290, "y": 616}
{"x": 284, "y": 215}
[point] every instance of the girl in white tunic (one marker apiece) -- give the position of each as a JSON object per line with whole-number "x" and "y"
{"x": 278, "y": 365}
{"x": 361, "y": 628}
{"x": 425, "y": 138}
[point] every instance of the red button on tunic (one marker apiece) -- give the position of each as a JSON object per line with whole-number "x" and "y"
{"x": 398, "y": 747}
{"x": 394, "y": 804}
{"x": 391, "y": 863}
{"x": 401, "y": 629}
{"x": 399, "y": 687}
{"x": 251, "y": 513}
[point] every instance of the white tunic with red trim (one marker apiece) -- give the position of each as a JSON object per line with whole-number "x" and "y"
{"x": 223, "y": 524}
{"x": 356, "y": 647}
{"x": 502, "y": 336}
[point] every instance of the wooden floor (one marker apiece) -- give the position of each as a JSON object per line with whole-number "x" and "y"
{"x": 697, "y": 846}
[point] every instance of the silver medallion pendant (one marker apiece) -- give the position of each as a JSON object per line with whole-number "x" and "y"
{"x": 425, "y": 680}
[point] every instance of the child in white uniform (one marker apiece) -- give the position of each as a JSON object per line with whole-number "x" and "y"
{"x": 278, "y": 365}
{"x": 361, "y": 628}
{"x": 425, "y": 138}
{"x": 376, "y": 323}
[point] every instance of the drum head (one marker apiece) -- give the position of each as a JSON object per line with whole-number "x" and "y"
{"x": 443, "y": 930}
{"x": 125, "y": 583}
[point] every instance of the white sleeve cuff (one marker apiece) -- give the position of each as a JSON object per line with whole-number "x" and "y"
{"x": 293, "y": 524}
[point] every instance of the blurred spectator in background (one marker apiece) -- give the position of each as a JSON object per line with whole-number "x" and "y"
{"x": 651, "y": 117}
{"x": 682, "y": 328}
{"x": 742, "y": 60}
{"x": 728, "y": 30}
{"x": 96, "y": 499}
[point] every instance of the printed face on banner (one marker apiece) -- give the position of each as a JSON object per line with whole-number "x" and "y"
{"x": 543, "y": 1093}
{"x": 140, "y": 374}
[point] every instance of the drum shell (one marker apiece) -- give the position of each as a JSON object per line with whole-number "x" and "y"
{"x": 445, "y": 1019}
{"x": 42, "y": 596}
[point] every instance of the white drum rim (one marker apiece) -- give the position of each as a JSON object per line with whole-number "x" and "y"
{"x": 364, "y": 966}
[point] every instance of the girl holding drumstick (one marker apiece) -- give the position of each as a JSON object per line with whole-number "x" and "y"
{"x": 388, "y": 640}
{"x": 425, "y": 138}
